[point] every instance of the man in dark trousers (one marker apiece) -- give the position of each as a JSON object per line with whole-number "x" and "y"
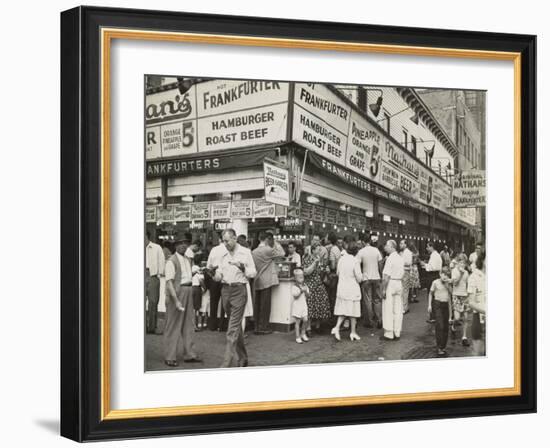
{"x": 234, "y": 271}
{"x": 267, "y": 277}
{"x": 180, "y": 314}
{"x": 214, "y": 260}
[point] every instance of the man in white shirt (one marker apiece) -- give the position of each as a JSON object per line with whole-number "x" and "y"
{"x": 234, "y": 271}
{"x": 392, "y": 290}
{"x": 180, "y": 314}
{"x": 407, "y": 256}
{"x": 293, "y": 256}
{"x": 214, "y": 260}
{"x": 432, "y": 267}
{"x": 370, "y": 258}
{"x": 474, "y": 255}
{"x": 154, "y": 269}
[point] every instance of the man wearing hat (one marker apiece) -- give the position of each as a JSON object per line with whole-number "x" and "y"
{"x": 179, "y": 304}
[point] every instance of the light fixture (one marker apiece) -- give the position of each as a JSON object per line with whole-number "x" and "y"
{"x": 253, "y": 219}
{"x": 387, "y": 218}
{"x": 354, "y": 230}
{"x": 323, "y": 225}
{"x": 369, "y": 213}
{"x": 159, "y": 222}
{"x": 375, "y": 107}
{"x": 335, "y": 228}
{"x": 402, "y": 222}
{"x": 312, "y": 199}
{"x": 187, "y": 198}
{"x": 276, "y": 219}
{"x": 310, "y": 223}
{"x": 345, "y": 229}
{"x": 344, "y": 207}
{"x": 211, "y": 221}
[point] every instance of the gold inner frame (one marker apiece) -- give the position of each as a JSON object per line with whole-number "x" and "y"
{"x": 107, "y": 35}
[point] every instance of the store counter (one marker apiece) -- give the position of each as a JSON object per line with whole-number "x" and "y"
{"x": 281, "y": 306}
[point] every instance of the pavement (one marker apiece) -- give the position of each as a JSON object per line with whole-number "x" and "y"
{"x": 417, "y": 342}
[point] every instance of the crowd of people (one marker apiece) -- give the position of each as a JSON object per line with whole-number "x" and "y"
{"x": 339, "y": 282}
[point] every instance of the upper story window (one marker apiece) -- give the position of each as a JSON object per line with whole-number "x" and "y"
{"x": 413, "y": 145}
{"x": 387, "y": 119}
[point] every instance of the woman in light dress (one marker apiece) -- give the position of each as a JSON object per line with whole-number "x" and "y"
{"x": 348, "y": 293}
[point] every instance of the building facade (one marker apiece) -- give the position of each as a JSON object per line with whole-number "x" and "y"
{"x": 353, "y": 168}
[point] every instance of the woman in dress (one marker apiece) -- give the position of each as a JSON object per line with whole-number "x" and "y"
{"x": 348, "y": 292}
{"x": 414, "y": 278}
{"x": 477, "y": 301}
{"x": 317, "y": 301}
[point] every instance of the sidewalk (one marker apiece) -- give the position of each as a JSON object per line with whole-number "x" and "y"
{"x": 417, "y": 342}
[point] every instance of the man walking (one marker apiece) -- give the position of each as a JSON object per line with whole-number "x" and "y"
{"x": 370, "y": 258}
{"x": 432, "y": 267}
{"x": 267, "y": 276}
{"x": 392, "y": 290}
{"x": 154, "y": 269}
{"x": 214, "y": 260}
{"x": 180, "y": 314}
{"x": 407, "y": 256}
{"x": 235, "y": 269}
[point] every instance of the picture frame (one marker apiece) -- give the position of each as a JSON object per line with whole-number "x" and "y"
{"x": 86, "y": 37}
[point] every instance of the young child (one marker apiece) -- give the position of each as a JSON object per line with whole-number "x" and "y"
{"x": 300, "y": 293}
{"x": 197, "y": 294}
{"x": 201, "y": 297}
{"x": 439, "y": 300}
{"x": 461, "y": 308}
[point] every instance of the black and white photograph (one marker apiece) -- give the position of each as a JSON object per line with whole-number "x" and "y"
{"x": 294, "y": 223}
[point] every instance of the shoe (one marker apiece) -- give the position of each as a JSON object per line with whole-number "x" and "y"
{"x": 336, "y": 333}
{"x": 243, "y": 363}
{"x": 354, "y": 337}
{"x": 379, "y": 325}
{"x": 196, "y": 359}
{"x": 465, "y": 342}
{"x": 299, "y": 340}
{"x": 396, "y": 338}
{"x": 305, "y": 338}
{"x": 171, "y": 363}
{"x": 384, "y": 338}
{"x": 441, "y": 354}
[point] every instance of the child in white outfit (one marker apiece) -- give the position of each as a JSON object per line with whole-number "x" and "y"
{"x": 300, "y": 292}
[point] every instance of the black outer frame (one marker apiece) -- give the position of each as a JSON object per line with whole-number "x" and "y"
{"x": 81, "y": 225}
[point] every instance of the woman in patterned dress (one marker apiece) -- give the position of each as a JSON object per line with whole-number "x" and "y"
{"x": 414, "y": 278}
{"x": 317, "y": 302}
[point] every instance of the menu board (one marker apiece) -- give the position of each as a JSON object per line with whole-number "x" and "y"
{"x": 165, "y": 214}
{"x": 221, "y": 210}
{"x": 331, "y": 216}
{"x": 151, "y": 213}
{"x": 241, "y": 209}
{"x": 306, "y": 211}
{"x": 200, "y": 211}
{"x": 342, "y": 219}
{"x": 263, "y": 209}
{"x": 182, "y": 212}
{"x": 318, "y": 213}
